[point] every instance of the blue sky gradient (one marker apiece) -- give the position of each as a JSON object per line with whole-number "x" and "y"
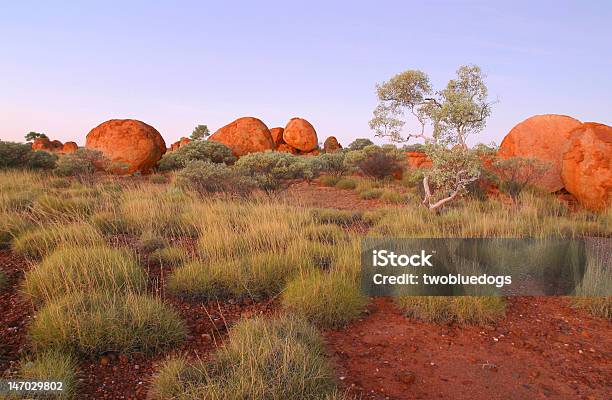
{"x": 68, "y": 66}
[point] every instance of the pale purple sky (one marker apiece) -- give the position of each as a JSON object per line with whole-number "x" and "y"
{"x": 68, "y": 66}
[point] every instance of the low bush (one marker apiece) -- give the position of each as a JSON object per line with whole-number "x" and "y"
{"x": 94, "y": 322}
{"x": 360, "y": 144}
{"x": 81, "y": 164}
{"x": 36, "y": 243}
{"x": 54, "y": 366}
{"x": 172, "y": 256}
{"x": 413, "y": 178}
{"x": 333, "y": 163}
{"x": 329, "y": 180}
{"x": 460, "y": 309}
{"x": 197, "y": 150}
{"x": 379, "y": 162}
{"x": 328, "y": 300}
{"x": 18, "y": 155}
{"x": 268, "y": 169}
{"x": 370, "y": 194}
{"x": 346, "y": 184}
{"x": 281, "y": 358}
{"x": 205, "y": 177}
{"x": 74, "y": 269}
{"x": 11, "y": 225}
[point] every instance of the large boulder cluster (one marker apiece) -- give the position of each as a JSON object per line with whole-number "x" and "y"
{"x": 54, "y": 146}
{"x": 578, "y": 156}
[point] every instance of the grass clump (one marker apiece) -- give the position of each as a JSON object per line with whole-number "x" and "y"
{"x": 172, "y": 256}
{"x": 328, "y": 300}
{"x": 598, "y": 306}
{"x": 3, "y": 280}
{"x": 278, "y": 359}
{"x": 52, "y": 366}
{"x": 370, "y": 194}
{"x": 328, "y": 234}
{"x": 109, "y": 223}
{"x": 259, "y": 276}
{"x": 39, "y": 242}
{"x": 329, "y": 180}
{"x": 158, "y": 179}
{"x": 94, "y": 322}
{"x": 392, "y": 197}
{"x": 346, "y": 183}
{"x": 334, "y": 216}
{"x": 74, "y": 269}
{"x": 461, "y": 309}
{"x": 150, "y": 242}
{"x": 63, "y": 207}
{"x": 11, "y": 225}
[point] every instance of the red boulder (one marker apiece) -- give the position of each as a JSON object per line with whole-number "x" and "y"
{"x": 245, "y": 135}
{"x": 300, "y": 134}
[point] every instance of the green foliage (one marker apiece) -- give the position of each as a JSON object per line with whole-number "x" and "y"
{"x": 205, "y": 177}
{"x": 370, "y": 194}
{"x": 327, "y": 299}
{"x": 31, "y": 136}
{"x": 268, "y": 169}
{"x": 197, "y": 150}
{"x": 376, "y": 161}
{"x": 94, "y": 322}
{"x": 453, "y": 113}
{"x": 55, "y": 366}
{"x": 346, "y": 183}
{"x": 360, "y": 144}
{"x": 200, "y": 132}
{"x": 462, "y": 309}
{"x": 392, "y": 197}
{"x": 18, "y": 155}
{"x": 74, "y": 269}
{"x": 333, "y": 163}
{"x": 81, "y": 164}
{"x": 276, "y": 359}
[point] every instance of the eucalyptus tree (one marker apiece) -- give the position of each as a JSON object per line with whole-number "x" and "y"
{"x": 444, "y": 120}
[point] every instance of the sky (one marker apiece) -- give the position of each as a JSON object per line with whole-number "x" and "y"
{"x": 66, "y": 66}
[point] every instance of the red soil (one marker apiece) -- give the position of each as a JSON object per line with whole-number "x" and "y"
{"x": 542, "y": 349}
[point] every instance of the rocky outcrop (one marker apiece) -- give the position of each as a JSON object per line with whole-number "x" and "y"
{"x": 285, "y": 148}
{"x": 417, "y": 160}
{"x": 301, "y": 135}
{"x": 69, "y": 147}
{"x": 331, "y": 145}
{"x": 245, "y": 135}
{"x": 179, "y": 143}
{"x": 586, "y": 166}
{"x": 54, "y": 146}
{"x": 277, "y": 135}
{"x": 543, "y": 137}
{"x": 130, "y": 145}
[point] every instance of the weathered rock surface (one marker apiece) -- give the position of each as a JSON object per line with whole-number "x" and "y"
{"x": 179, "y": 143}
{"x": 300, "y": 134}
{"x": 285, "y": 148}
{"x": 245, "y": 135}
{"x": 331, "y": 144}
{"x": 543, "y": 137}
{"x": 130, "y": 145}
{"x": 586, "y": 166}
{"x": 417, "y": 160}
{"x": 69, "y": 147}
{"x": 277, "y": 135}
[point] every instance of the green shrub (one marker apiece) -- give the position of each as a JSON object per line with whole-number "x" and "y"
{"x": 360, "y": 144}
{"x": 205, "y": 177}
{"x": 81, "y": 164}
{"x": 346, "y": 184}
{"x": 39, "y": 242}
{"x": 370, "y": 194}
{"x": 460, "y": 309}
{"x": 329, "y": 180}
{"x": 328, "y": 300}
{"x": 74, "y": 269}
{"x": 18, "y": 155}
{"x": 197, "y": 150}
{"x": 55, "y": 366}
{"x": 94, "y": 322}
{"x": 333, "y": 163}
{"x": 268, "y": 168}
{"x": 281, "y": 358}
{"x": 413, "y": 178}
{"x": 173, "y": 256}
{"x": 379, "y": 162}
{"x": 11, "y": 225}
